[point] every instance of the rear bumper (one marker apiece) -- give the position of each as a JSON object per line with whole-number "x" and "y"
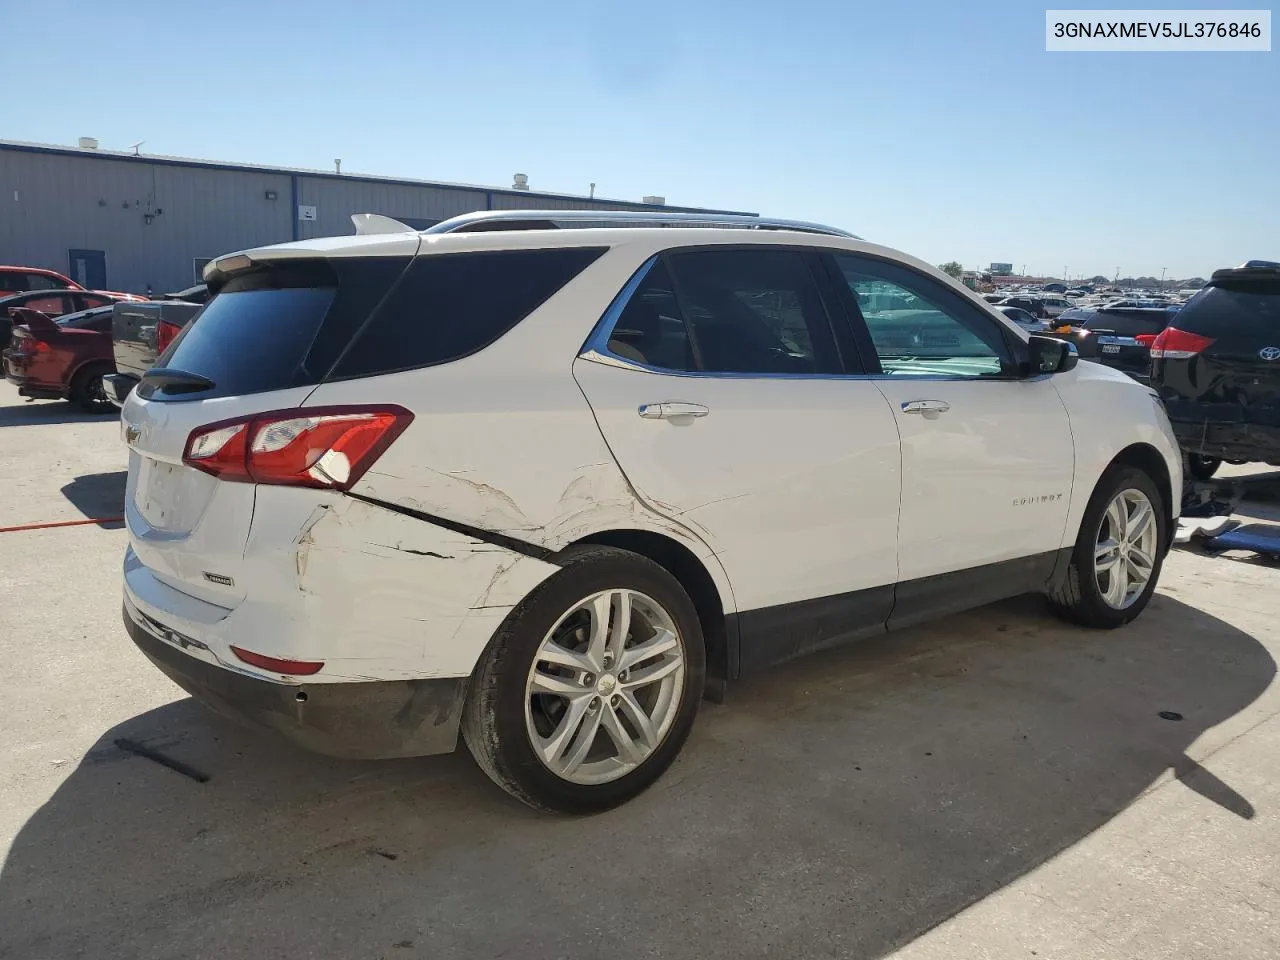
{"x": 29, "y": 387}
{"x": 362, "y": 720}
{"x": 1229, "y": 441}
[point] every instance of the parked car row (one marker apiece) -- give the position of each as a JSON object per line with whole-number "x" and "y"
{"x": 56, "y": 338}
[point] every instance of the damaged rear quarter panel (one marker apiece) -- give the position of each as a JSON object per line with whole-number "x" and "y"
{"x": 374, "y": 593}
{"x": 503, "y": 441}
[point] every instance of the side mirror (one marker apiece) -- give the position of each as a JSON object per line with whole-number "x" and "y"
{"x": 1050, "y": 355}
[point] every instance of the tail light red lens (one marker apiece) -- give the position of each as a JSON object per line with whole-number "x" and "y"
{"x": 165, "y": 333}
{"x": 328, "y": 447}
{"x": 297, "y": 668}
{"x": 30, "y": 346}
{"x": 1146, "y": 339}
{"x": 1174, "y": 344}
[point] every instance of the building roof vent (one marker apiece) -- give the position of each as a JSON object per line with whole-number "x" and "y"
{"x": 655, "y": 201}
{"x": 520, "y": 182}
{"x": 88, "y": 143}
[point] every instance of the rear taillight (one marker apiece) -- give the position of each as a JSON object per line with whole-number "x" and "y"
{"x": 1146, "y": 339}
{"x": 29, "y": 346}
{"x": 1174, "y": 344}
{"x": 165, "y": 332}
{"x": 329, "y": 447}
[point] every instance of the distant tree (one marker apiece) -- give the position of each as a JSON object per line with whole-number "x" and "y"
{"x": 951, "y": 268}
{"x": 1099, "y": 279}
{"x": 1195, "y": 283}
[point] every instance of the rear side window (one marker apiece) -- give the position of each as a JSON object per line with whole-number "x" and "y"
{"x": 651, "y": 330}
{"x": 1249, "y": 309}
{"x": 448, "y": 306}
{"x": 755, "y": 311}
{"x": 40, "y": 281}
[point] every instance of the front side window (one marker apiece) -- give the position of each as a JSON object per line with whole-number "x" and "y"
{"x": 754, "y": 311}
{"x": 919, "y": 328}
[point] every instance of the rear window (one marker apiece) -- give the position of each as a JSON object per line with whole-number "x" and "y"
{"x": 1243, "y": 308}
{"x": 99, "y": 320}
{"x": 1128, "y": 324}
{"x": 451, "y": 305}
{"x": 259, "y": 332}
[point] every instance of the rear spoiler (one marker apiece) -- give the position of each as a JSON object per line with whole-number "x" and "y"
{"x": 32, "y": 319}
{"x": 1249, "y": 270}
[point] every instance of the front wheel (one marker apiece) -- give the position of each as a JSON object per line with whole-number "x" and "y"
{"x": 1118, "y": 554}
{"x": 589, "y": 688}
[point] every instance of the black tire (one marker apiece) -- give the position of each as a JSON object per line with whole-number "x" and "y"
{"x": 1202, "y": 468}
{"x": 493, "y": 720}
{"x": 88, "y": 391}
{"x": 1077, "y": 596}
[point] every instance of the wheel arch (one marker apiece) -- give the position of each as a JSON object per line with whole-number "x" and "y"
{"x": 708, "y": 596}
{"x": 88, "y": 364}
{"x": 1148, "y": 459}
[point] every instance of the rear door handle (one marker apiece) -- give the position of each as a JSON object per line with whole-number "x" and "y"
{"x": 671, "y": 409}
{"x": 926, "y": 407}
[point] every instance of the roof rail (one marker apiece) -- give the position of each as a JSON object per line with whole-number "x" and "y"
{"x": 566, "y": 219}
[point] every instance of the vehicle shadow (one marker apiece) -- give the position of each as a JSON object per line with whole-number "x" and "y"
{"x": 99, "y": 495}
{"x": 23, "y": 414}
{"x": 840, "y": 805}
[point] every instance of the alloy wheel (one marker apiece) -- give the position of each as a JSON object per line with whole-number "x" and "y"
{"x": 605, "y": 687}
{"x": 1125, "y": 551}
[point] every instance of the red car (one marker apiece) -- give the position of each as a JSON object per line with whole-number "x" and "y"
{"x": 21, "y": 279}
{"x": 64, "y": 358}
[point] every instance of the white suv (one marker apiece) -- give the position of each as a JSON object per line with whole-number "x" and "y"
{"x": 546, "y": 478}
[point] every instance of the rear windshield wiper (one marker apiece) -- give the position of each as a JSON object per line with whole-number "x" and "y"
{"x": 172, "y": 380}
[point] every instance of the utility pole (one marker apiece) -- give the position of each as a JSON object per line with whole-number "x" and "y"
{"x": 1162, "y": 270}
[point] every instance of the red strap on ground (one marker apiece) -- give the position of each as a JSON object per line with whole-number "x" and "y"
{"x": 60, "y": 523}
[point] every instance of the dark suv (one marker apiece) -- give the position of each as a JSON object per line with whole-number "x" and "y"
{"x": 1217, "y": 369}
{"x": 1119, "y": 337}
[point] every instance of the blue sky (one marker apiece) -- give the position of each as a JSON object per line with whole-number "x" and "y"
{"x": 941, "y": 128}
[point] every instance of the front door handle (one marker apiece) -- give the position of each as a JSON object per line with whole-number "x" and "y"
{"x": 926, "y": 407}
{"x": 672, "y": 409}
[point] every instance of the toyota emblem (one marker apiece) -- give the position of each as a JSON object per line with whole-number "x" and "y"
{"x": 1269, "y": 353}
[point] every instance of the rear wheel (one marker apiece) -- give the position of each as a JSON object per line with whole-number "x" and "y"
{"x": 1118, "y": 554}
{"x": 590, "y": 687}
{"x": 1202, "y": 468}
{"x": 88, "y": 391}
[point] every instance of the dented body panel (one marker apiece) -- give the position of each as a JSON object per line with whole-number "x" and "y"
{"x": 372, "y": 593}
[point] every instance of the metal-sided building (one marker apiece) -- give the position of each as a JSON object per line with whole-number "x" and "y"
{"x": 119, "y": 221}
